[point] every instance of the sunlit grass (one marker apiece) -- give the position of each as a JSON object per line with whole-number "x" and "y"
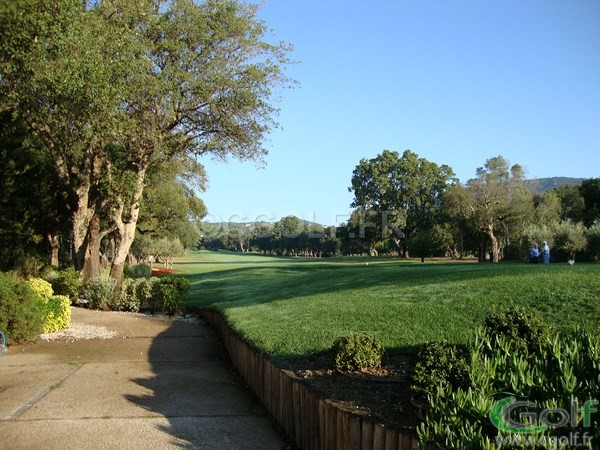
{"x": 294, "y": 308}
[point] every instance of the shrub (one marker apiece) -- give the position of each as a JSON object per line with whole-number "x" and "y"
{"x": 41, "y": 289}
{"x": 128, "y": 299}
{"x": 21, "y": 314}
{"x": 56, "y": 309}
{"x": 144, "y": 291}
{"x": 99, "y": 292}
{"x": 170, "y": 292}
{"x": 64, "y": 282}
{"x": 357, "y": 352}
{"x": 138, "y": 271}
{"x": 440, "y": 363}
{"x": 521, "y": 326}
{"x": 565, "y": 370}
{"x": 57, "y": 313}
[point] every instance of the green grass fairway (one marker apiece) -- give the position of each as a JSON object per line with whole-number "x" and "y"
{"x": 293, "y": 309}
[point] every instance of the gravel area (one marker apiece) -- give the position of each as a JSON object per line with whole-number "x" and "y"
{"x": 83, "y": 331}
{"x": 80, "y": 331}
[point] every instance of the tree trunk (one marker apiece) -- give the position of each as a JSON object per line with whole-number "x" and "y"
{"x": 79, "y": 180}
{"x": 79, "y": 223}
{"x": 495, "y": 249}
{"x": 91, "y": 263}
{"x": 91, "y": 251}
{"x": 482, "y": 250}
{"x": 125, "y": 230}
{"x": 54, "y": 244}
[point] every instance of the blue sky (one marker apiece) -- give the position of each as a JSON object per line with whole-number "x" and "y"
{"x": 456, "y": 82}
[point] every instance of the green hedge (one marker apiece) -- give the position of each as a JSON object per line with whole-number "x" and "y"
{"x": 21, "y": 313}
{"x": 165, "y": 294}
{"x": 138, "y": 271}
{"x": 99, "y": 293}
{"x": 170, "y": 292}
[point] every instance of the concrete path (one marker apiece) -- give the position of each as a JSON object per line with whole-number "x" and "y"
{"x": 158, "y": 384}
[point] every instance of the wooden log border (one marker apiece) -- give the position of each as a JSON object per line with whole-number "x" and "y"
{"x": 313, "y": 423}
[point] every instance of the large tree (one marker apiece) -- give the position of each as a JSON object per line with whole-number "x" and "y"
{"x": 403, "y": 191}
{"x": 170, "y": 207}
{"x": 572, "y": 204}
{"x": 590, "y": 191}
{"x": 63, "y": 70}
{"x": 491, "y": 202}
{"x": 31, "y": 207}
{"x": 115, "y": 88}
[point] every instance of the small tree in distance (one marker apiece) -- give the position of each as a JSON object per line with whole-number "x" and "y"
{"x": 570, "y": 237}
{"x": 166, "y": 250}
{"x": 429, "y": 243}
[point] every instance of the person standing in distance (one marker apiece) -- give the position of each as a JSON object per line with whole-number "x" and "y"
{"x": 545, "y": 252}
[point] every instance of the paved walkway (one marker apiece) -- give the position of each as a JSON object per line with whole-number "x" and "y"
{"x": 158, "y": 384}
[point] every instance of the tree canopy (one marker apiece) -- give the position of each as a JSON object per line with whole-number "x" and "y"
{"x": 404, "y": 192}
{"x": 115, "y": 88}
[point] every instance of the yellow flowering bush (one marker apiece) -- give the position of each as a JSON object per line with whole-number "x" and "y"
{"x": 56, "y": 308}
{"x": 57, "y": 314}
{"x": 42, "y": 289}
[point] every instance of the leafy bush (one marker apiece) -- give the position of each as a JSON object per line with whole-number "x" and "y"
{"x": 28, "y": 266}
{"x": 41, "y": 289}
{"x": 98, "y": 292}
{"x": 138, "y": 271}
{"x": 21, "y": 313}
{"x": 357, "y": 352}
{"x": 144, "y": 291}
{"x": 593, "y": 241}
{"x": 57, "y": 313}
{"x": 155, "y": 294}
{"x": 570, "y": 237}
{"x": 170, "y": 293}
{"x": 440, "y": 363}
{"x": 64, "y": 282}
{"x": 563, "y": 370}
{"x": 128, "y": 299}
{"x": 520, "y": 326}
{"x": 56, "y": 309}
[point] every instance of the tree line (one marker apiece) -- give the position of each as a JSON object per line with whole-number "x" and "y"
{"x": 412, "y": 204}
{"x": 405, "y": 205}
{"x": 108, "y": 105}
{"x": 289, "y": 236}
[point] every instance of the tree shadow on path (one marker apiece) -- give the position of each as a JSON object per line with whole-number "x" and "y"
{"x": 199, "y": 394}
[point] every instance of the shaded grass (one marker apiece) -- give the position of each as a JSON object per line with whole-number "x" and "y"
{"x": 293, "y": 309}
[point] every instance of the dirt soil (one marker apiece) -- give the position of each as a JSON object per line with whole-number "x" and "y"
{"x": 158, "y": 271}
{"x": 384, "y": 394}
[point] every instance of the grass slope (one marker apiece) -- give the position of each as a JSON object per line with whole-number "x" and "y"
{"x": 293, "y": 309}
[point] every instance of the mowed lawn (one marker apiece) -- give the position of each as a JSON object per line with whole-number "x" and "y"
{"x": 293, "y": 309}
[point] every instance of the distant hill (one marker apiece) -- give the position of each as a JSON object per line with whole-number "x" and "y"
{"x": 541, "y": 185}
